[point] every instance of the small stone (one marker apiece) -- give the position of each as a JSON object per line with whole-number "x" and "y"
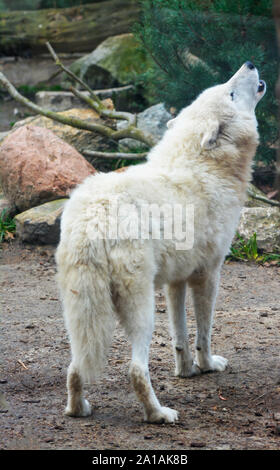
{"x": 198, "y": 444}
{"x": 41, "y": 224}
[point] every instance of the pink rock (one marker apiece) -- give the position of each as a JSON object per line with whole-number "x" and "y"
{"x": 36, "y": 166}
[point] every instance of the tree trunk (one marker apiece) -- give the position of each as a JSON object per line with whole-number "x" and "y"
{"x": 76, "y": 29}
{"x": 276, "y": 8}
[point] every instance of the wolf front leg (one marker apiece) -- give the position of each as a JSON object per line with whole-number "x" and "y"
{"x": 204, "y": 288}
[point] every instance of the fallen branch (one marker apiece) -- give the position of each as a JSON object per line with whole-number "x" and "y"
{"x": 263, "y": 198}
{"x": 128, "y": 132}
{"x": 71, "y": 74}
{"x": 102, "y": 110}
{"x": 109, "y": 92}
{"x": 74, "y": 122}
{"x": 115, "y": 155}
{"x": 92, "y": 100}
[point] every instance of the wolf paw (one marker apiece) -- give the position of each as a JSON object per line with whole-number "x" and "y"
{"x": 162, "y": 415}
{"x": 188, "y": 371}
{"x": 215, "y": 363}
{"x": 82, "y": 409}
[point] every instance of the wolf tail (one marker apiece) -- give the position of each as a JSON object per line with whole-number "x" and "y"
{"x": 88, "y": 310}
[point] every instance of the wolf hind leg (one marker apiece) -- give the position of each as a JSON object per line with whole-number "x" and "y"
{"x": 77, "y": 405}
{"x": 137, "y": 317}
{"x": 89, "y": 319}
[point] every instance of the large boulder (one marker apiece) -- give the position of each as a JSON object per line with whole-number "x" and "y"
{"x": 116, "y": 61}
{"x": 36, "y": 166}
{"x": 265, "y": 222}
{"x": 41, "y": 224}
{"x": 78, "y": 138}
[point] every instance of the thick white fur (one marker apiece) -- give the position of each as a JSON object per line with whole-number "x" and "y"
{"x": 203, "y": 159}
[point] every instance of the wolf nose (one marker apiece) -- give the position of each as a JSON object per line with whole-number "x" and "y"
{"x": 250, "y": 65}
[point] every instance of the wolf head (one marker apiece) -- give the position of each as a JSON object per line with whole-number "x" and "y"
{"x": 229, "y": 103}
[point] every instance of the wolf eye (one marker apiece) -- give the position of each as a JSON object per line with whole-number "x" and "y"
{"x": 232, "y": 95}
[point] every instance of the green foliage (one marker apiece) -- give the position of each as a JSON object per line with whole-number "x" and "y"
{"x": 30, "y": 90}
{"x": 7, "y": 226}
{"x": 123, "y": 162}
{"x": 223, "y": 34}
{"x": 242, "y": 250}
{"x": 10, "y": 5}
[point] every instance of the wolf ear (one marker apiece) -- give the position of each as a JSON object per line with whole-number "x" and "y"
{"x": 209, "y": 139}
{"x": 170, "y": 123}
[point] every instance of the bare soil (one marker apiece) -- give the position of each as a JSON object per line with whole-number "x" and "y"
{"x": 235, "y": 409}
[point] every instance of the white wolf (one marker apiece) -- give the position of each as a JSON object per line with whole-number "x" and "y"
{"x": 203, "y": 161}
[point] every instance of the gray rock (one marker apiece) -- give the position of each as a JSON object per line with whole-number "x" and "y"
{"x": 41, "y": 224}
{"x": 58, "y": 100}
{"x": 153, "y": 120}
{"x": 116, "y": 61}
{"x": 265, "y": 222}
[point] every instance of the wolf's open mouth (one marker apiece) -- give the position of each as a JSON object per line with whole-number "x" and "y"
{"x": 261, "y": 86}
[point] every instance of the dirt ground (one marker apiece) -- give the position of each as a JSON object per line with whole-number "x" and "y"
{"x": 235, "y": 409}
